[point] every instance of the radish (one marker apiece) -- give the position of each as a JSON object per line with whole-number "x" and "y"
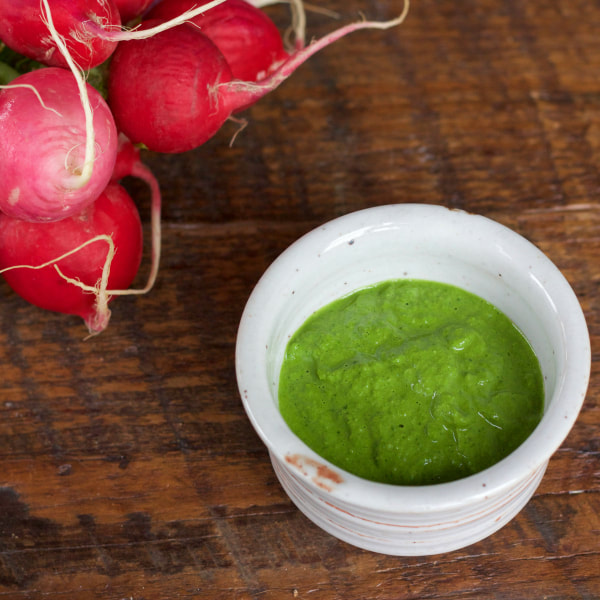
{"x": 70, "y": 254}
{"x": 173, "y": 91}
{"x": 131, "y": 9}
{"x": 159, "y": 89}
{"x": 48, "y": 171}
{"x": 77, "y": 21}
{"x": 248, "y": 39}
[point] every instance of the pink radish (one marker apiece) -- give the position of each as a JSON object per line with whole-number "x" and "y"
{"x": 41, "y": 162}
{"x": 47, "y": 263}
{"x": 77, "y": 21}
{"x": 246, "y": 36}
{"x": 48, "y": 171}
{"x": 173, "y": 91}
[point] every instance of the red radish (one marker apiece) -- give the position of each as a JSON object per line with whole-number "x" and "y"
{"x": 159, "y": 89}
{"x": 83, "y": 241}
{"x": 131, "y": 9}
{"x": 50, "y": 167}
{"x": 246, "y": 36}
{"x": 173, "y": 91}
{"x": 77, "y": 21}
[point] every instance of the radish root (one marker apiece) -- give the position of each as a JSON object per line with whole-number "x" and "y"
{"x": 298, "y": 26}
{"x": 137, "y": 34}
{"x": 32, "y": 88}
{"x": 241, "y": 123}
{"x": 85, "y": 173}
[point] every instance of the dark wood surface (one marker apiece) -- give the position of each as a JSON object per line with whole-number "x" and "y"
{"x": 128, "y": 466}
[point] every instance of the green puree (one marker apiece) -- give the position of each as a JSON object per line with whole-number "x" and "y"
{"x": 411, "y": 382}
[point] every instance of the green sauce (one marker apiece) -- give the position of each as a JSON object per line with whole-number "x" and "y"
{"x": 411, "y": 382}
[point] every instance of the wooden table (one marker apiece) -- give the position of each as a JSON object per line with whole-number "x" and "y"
{"x": 129, "y": 468}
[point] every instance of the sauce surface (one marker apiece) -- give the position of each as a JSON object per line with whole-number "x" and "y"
{"x": 411, "y": 382}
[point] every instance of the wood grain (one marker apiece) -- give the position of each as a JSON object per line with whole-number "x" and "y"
{"x": 129, "y": 468}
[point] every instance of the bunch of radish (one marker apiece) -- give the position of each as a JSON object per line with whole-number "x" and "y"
{"x": 171, "y": 73}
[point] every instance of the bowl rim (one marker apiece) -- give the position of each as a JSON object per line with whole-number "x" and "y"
{"x": 282, "y": 443}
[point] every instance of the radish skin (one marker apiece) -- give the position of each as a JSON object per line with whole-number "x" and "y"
{"x": 43, "y": 154}
{"x": 78, "y": 246}
{"x": 131, "y": 9}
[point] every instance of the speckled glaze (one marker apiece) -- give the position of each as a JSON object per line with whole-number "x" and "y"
{"x": 425, "y": 242}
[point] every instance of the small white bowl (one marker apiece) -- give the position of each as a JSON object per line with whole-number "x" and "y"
{"x": 420, "y": 242}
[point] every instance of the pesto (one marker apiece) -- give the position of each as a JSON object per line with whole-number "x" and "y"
{"x": 411, "y": 382}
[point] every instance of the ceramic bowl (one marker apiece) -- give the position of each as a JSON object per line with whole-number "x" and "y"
{"x": 421, "y": 242}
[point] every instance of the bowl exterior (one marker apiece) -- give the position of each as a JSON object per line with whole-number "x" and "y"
{"x": 421, "y": 242}
{"x": 402, "y": 532}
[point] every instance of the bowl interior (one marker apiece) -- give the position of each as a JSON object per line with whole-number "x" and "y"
{"x": 395, "y": 250}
